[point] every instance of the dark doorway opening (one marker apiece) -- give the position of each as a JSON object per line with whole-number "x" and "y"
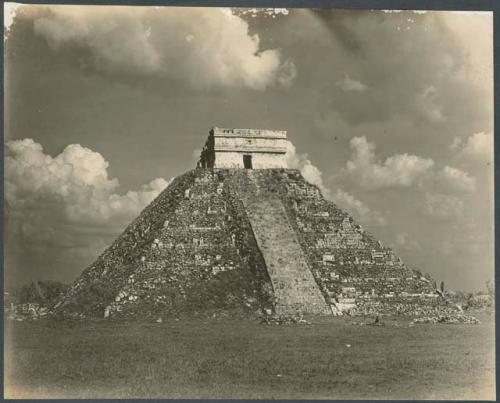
{"x": 247, "y": 161}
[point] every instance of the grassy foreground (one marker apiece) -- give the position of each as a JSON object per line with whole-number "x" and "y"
{"x": 331, "y": 359}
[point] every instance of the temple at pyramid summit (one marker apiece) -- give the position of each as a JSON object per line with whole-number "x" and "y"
{"x": 244, "y": 148}
{"x": 243, "y": 234}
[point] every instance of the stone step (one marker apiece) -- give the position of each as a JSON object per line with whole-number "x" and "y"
{"x": 294, "y": 285}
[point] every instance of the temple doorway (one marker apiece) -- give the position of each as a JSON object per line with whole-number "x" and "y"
{"x": 247, "y": 161}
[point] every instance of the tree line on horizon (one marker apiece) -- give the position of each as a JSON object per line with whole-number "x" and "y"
{"x": 45, "y": 292}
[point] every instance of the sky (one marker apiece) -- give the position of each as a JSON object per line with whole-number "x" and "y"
{"x": 389, "y": 113}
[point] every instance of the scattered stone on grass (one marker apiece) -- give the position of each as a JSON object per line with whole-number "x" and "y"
{"x": 284, "y": 320}
{"x": 457, "y": 318}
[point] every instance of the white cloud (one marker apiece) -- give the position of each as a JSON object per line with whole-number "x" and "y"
{"x": 310, "y": 172}
{"x": 474, "y": 36}
{"x": 478, "y": 148}
{"x": 62, "y": 201}
{"x": 443, "y": 207}
{"x": 456, "y": 144}
{"x": 350, "y": 85}
{"x": 455, "y": 179}
{"x": 343, "y": 199}
{"x": 428, "y": 106}
{"x": 400, "y": 170}
{"x": 358, "y": 209}
{"x": 103, "y": 34}
{"x": 220, "y": 51}
{"x": 404, "y": 241}
{"x": 364, "y": 171}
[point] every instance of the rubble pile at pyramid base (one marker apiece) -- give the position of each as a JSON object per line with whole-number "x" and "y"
{"x": 247, "y": 242}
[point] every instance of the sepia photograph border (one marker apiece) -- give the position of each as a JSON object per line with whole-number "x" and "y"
{"x": 435, "y": 5}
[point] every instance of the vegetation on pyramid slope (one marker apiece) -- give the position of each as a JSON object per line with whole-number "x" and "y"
{"x": 353, "y": 270}
{"x": 246, "y": 241}
{"x": 191, "y": 250}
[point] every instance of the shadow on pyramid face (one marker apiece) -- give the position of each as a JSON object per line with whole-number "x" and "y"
{"x": 241, "y": 242}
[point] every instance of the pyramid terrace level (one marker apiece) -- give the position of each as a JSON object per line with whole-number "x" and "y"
{"x": 244, "y": 148}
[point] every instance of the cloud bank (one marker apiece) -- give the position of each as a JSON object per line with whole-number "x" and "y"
{"x": 344, "y": 200}
{"x": 348, "y": 85}
{"x": 477, "y": 149}
{"x": 435, "y": 212}
{"x": 360, "y": 73}
{"x": 358, "y": 209}
{"x": 67, "y": 203}
{"x": 206, "y": 48}
{"x": 310, "y": 172}
{"x": 400, "y": 170}
{"x": 443, "y": 207}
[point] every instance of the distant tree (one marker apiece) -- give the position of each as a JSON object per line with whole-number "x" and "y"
{"x": 442, "y": 286}
{"x": 94, "y": 298}
{"x": 40, "y": 292}
{"x": 490, "y": 286}
{"x": 53, "y": 290}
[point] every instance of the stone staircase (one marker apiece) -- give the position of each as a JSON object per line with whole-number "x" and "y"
{"x": 295, "y": 288}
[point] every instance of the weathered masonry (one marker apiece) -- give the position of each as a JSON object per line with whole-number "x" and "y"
{"x": 225, "y": 240}
{"x": 244, "y": 148}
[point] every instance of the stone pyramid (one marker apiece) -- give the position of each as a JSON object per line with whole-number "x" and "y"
{"x": 245, "y": 241}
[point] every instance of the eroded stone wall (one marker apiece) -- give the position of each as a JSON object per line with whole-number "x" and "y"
{"x": 231, "y": 160}
{"x": 200, "y": 247}
{"x": 225, "y": 148}
{"x": 195, "y": 255}
{"x": 354, "y": 271}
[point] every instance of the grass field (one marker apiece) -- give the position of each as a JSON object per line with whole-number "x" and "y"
{"x": 330, "y": 359}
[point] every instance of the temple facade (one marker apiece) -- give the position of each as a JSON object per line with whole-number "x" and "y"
{"x": 244, "y": 148}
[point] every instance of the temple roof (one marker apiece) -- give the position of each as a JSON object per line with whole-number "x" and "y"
{"x": 233, "y": 132}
